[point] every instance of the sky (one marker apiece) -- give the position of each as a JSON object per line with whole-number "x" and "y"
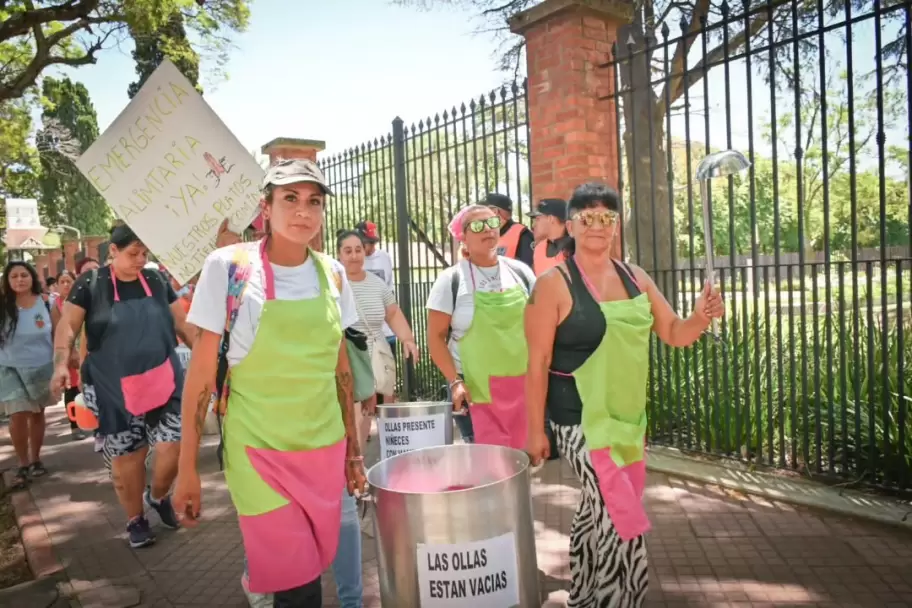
{"x": 333, "y": 71}
{"x": 342, "y": 71}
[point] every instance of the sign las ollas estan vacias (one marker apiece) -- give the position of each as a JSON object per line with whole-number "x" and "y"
{"x": 171, "y": 169}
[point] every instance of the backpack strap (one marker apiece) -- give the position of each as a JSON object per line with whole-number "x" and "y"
{"x": 238, "y": 277}
{"x": 518, "y": 273}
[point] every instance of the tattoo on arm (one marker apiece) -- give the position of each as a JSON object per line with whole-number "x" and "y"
{"x": 345, "y": 391}
{"x": 202, "y": 408}
{"x": 61, "y": 355}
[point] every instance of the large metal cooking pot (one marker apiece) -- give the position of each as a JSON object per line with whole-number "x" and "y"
{"x": 454, "y": 527}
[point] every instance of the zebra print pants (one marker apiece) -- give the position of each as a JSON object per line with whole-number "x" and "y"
{"x": 605, "y": 571}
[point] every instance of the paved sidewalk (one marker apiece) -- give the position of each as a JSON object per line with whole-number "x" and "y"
{"x": 709, "y": 546}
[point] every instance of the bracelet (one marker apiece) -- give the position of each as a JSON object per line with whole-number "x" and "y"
{"x": 456, "y": 382}
{"x": 355, "y": 459}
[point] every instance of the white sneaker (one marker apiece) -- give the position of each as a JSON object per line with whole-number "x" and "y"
{"x": 256, "y": 600}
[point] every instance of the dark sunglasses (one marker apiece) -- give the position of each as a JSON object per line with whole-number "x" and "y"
{"x": 478, "y": 226}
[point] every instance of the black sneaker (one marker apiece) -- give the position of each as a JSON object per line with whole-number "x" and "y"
{"x": 163, "y": 508}
{"x": 140, "y": 532}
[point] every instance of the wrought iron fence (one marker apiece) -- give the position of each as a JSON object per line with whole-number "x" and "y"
{"x": 410, "y": 183}
{"x": 811, "y": 371}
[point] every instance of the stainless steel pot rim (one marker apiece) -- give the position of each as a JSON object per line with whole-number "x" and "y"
{"x": 526, "y": 466}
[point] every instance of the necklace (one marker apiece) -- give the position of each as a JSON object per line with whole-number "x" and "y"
{"x": 490, "y": 277}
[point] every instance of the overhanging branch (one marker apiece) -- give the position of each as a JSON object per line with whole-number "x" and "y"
{"x": 695, "y": 74}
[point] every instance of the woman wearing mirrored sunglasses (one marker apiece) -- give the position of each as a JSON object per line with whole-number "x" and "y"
{"x": 475, "y": 332}
{"x": 588, "y": 326}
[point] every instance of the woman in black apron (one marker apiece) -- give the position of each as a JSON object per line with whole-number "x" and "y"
{"x": 132, "y": 377}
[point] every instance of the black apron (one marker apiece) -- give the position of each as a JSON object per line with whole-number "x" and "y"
{"x": 135, "y": 370}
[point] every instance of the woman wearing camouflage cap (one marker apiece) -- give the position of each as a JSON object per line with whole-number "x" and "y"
{"x": 278, "y": 310}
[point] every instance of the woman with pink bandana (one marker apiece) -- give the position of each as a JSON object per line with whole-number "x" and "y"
{"x": 475, "y": 332}
{"x": 588, "y": 325}
{"x": 275, "y": 311}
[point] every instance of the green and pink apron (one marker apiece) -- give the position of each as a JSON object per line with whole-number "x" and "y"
{"x": 284, "y": 440}
{"x": 612, "y": 387}
{"x": 494, "y": 359}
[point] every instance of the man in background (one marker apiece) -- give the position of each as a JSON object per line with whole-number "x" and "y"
{"x": 551, "y": 223}
{"x": 516, "y": 241}
{"x": 378, "y": 262}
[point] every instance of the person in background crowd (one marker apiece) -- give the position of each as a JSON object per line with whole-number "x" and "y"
{"x": 475, "y": 335}
{"x": 516, "y": 241}
{"x": 65, "y": 282}
{"x": 588, "y": 326}
{"x": 83, "y": 266}
{"x": 26, "y": 364}
{"x": 51, "y": 289}
{"x": 539, "y": 231}
{"x": 375, "y": 301}
{"x": 290, "y": 443}
{"x": 378, "y": 262}
{"x": 551, "y": 221}
{"x": 132, "y": 376}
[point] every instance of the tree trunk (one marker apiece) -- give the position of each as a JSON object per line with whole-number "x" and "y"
{"x": 649, "y": 234}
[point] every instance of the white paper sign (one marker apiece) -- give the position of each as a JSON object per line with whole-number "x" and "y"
{"x": 401, "y": 435}
{"x": 171, "y": 169}
{"x": 480, "y": 574}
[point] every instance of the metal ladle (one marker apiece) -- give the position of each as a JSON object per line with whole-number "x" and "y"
{"x": 717, "y": 164}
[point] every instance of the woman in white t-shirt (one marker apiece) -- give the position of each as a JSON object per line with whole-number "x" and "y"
{"x": 475, "y": 331}
{"x": 376, "y": 304}
{"x": 277, "y": 311}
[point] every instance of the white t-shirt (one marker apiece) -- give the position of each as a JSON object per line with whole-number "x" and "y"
{"x": 208, "y": 309}
{"x": 379, "y": 263}
{"x": 486, "y": 279}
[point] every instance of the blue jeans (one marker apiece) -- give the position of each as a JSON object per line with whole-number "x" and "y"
{"x": 391, "y": 340}
{"x": 347, "y": 565}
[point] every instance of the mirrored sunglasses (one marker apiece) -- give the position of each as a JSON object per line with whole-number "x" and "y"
{"x": 589, "y": 217}
{"x": 478, "y": 226}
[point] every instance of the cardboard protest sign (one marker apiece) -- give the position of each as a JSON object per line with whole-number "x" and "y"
{"x": 171, "y": 169}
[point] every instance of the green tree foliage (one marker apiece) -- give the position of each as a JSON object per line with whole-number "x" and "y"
{"x": 823, "y": 204}
{"x": 35, "y": 36}
{"x": 69, "y": 126}
{"x": 168, "y": 42}
{"x": 18, "y": 158}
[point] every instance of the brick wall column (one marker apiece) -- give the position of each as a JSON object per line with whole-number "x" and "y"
{"x": 572, "y": 128}
{"x": 92, "y": 246}
{"x": 71, "y": 247}
{"x": 284, "y": 148}
{"x": 40, "y": 261}
{"x": 55, "y": 256}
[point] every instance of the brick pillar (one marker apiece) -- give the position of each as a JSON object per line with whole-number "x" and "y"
{"x": 93, "y": 247}
{"x": 55, "y": 257}
{"x": 289, "y": 147}
{"x": 573, "y": 129}
{"x": 41, "y": 262}
{"x": 71, "y": 248}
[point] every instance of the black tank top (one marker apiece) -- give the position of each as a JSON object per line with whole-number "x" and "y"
{"x": 576, "y": 338}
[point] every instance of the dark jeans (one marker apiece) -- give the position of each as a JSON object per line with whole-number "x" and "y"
{"x": 305, "y": 596}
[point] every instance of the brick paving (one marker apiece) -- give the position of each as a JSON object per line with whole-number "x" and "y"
{"x": 709, "y": 546}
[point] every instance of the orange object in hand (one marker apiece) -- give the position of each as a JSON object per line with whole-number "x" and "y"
{"x": 81, "y": 415}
